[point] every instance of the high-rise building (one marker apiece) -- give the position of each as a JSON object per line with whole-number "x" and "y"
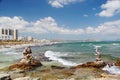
{"x": 15, "y": 34}
{"x": 8, "y": 34}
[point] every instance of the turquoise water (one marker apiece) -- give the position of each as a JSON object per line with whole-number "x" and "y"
{"x": 8, "y": 56}
{"x": 73, "y": 53}
{"x": 69, "y": 53}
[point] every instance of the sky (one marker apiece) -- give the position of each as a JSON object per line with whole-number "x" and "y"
{"x": 62, "y": 19}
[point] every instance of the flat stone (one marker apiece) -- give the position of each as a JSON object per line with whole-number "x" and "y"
{"x": 97, "y": 64}
{"x": 27, "y": 78}
{"x": 5, "y": 76}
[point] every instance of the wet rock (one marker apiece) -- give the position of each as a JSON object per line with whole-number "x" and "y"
{"x": 98, "y": 64}
{"x": 23, "y": 66}
{"x": 5, "y": 76}
{"x": 57, "y": 67}
{"x": 42, "y": 57}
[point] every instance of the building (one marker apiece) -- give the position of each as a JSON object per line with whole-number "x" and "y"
{"x": 21, "y": 38}
{"x": 30, "y": 38}
{"x": 8, "y": 34}
{"x": 15, "y": 34}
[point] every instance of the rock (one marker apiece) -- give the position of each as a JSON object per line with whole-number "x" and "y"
{"x": 110, "y": 76}
{"x": 98, "y": 64}
{"x": 117, "y": 63}
{"x": 26, "y": 78}
{"x": 5, "y": 77}
{"x": 42, "y": 57}
{"x": 87, "y": 73}
{"x": 57, "y": 67}
{"x": 17, "y": 73}
{"x": 23, "y": 66}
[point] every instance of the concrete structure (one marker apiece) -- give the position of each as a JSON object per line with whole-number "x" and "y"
{"x": 8, "y": 34}
{"x": 15, "y": 34}
{"x": 22, "y": 38}
{"x": 30, "y": 38}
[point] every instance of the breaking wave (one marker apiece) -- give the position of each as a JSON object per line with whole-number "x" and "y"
{"x": 112, "y": 69}
{"x": 56, "y": 56}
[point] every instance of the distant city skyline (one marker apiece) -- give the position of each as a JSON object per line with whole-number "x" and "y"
{"x": 8, "y": 34}
{"x": 62, "y": 19}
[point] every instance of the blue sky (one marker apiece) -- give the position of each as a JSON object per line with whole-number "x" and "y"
{"x": 62, "y": 19}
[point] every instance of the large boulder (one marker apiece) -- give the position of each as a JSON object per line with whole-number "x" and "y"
{"x": 96, "y": 64}
{"x": 24, "y": 66}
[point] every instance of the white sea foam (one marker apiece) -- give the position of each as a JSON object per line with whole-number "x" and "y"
{"x": 56, "y": 56}
{"x": 115, "y": 44}
{"x": 11, "y": 53}
{"x": 5, "y": 49}
{"x": 97, "y": 46}
{"x": 112, "y": 69}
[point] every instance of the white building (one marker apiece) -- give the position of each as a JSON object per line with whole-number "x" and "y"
{"x": 8, "y": 34}
{"x": 30, "y": 38}
{"x": 15, "y": 34}
{"x": 21, "y": 38}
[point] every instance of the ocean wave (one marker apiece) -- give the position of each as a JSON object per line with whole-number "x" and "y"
{"x": 112, "y": 69}
{"x": 11, "y": 53}
{"x": 97, "y": 46}
{"x": 11, "y": 47}
{"x": 5, "y": 49}
{"x": 8, "y": 51}
{"x": 115, "y": 44}
{"x": 56, "y": 56}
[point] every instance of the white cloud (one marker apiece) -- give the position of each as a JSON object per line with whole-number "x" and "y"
{"x": 61, "y": 3}
{"x": 110, "y": 8}
{"x": 15, "y": 22}
{"x": 106, "y": 28}
{"x": 48, "y": 25}
{"x": 45, "y": 25}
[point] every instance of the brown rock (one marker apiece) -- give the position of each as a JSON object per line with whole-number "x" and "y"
{"x": 98, "y": 64}
{"x": 117, "y": 63}
{"x": 23, "y": 66}
{"x": 57, "y": 67}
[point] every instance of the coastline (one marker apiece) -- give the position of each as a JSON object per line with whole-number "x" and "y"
{"x": 52, "y": 70}
{"x": 9, "y": 45}
{"x": 56, "y": 71}
{"x": 17, "y": 44}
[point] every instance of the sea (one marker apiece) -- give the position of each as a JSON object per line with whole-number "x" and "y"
{"x": 70, "y": 53}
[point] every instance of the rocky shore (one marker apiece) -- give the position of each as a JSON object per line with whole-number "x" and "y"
{"x": 40, "y": 71}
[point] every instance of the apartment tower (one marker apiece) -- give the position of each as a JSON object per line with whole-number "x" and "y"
{"x": 8, "y": 34}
